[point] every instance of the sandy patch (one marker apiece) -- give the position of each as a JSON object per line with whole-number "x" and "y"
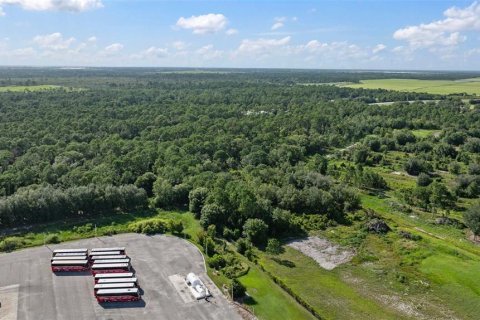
{"x": 325, "y": 253}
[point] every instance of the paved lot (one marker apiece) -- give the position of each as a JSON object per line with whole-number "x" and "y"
{"x": 43, "y": 295}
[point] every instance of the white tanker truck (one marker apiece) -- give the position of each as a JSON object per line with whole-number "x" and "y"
{"x": 198, "y": 289}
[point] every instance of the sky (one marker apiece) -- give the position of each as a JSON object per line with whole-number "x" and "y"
{"x": 362, "y": 34}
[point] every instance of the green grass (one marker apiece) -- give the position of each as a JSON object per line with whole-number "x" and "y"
{"x": 458, "y": 281}
{"x": 424, "y": 133}
{"x": 268, "y": 301}
{"x": 28, "y": 88}
{"x": 469, "y": 86}
{"x": 325, "y": 290}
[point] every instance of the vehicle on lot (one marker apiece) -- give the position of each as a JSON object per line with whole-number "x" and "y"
{"x": 70, "y": 254}
{"x": 117, "y": 295}
{"x": 69, "y": 265}
{"x": 196, "y": 286}
{"x": 104, "y": 257}
{"x": 100, "y": 286}
{"x": 117, "y": 280}
{"x": 57, "y": 258}
{"x": 93, "y": 255}
{"x": 83, "y": 251}
{"x": 110, "y": 268}
{"x": 110, "y": 261}
{"x": 99, "y": 250}
{"x": 99, "y": 276}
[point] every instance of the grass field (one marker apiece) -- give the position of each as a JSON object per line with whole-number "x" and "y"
{"x": 28, "y": 88}
{"x": 469, "y": 86}
{"x": 268, "y": 300}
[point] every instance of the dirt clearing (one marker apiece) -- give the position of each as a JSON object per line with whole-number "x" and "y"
{"x": 328, "y": 255}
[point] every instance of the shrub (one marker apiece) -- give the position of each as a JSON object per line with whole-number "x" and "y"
{"x": 274, "y": 246}
{"x": 176, "y": 226}
{"x": 237, "y": 289}
{"x": 423, "y": 180}
{"x": 84, "y": 229}
{"x": 10, "y": 244}
{"x": 415, "y": 166}
{"x": 150, "y": 226}
{"x": 217, "y": 262}
{"x": 243, "y": 245}
{"x": 52, "y": 238}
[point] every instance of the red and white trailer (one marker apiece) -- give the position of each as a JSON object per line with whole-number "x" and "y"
{"x": 110, "y": 268}
{"x": 117, "y": 295}
{"x": 70, "y": 265}
{"x": 99, "y": 276}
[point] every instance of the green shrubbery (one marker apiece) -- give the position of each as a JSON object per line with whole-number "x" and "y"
{"x": 156, "y": 225}
{"x": 10, "y": 244}
{"x": 52, "y": 238}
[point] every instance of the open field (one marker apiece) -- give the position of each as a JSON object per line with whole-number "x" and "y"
{"x": 44, "y": 295}
{"x": 469, "y": 86}
{"x": 28, "y": 88}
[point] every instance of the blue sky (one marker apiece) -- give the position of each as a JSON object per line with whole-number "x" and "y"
{"x": 282, "y": 34}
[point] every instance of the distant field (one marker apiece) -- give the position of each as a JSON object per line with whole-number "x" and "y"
{"x": 28, "y": 88}
{"x": 469, "y": 86}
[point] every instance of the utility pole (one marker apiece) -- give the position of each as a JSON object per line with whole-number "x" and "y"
{"x": 95, "y": 230}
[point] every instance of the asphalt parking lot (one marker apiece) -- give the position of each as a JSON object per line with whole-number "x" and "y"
{"x": 29, "y": 289}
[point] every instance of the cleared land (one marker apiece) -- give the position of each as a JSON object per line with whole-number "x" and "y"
{"x": 44, "y": 295}
{"x": 469, "y": 86}
{"x": 28, "y": 88}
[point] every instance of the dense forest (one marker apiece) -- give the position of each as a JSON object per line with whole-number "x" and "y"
{"x": 254, "y": 153}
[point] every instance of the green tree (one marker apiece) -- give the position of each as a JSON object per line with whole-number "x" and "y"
{"x": 236, "y": 289}
{"x": 196, "y": 200}
{"x": 212, "y": 214}
{"x": 256, "y": 231}
{"x": 274, "y": 246}
{"x": 471, "y": 217}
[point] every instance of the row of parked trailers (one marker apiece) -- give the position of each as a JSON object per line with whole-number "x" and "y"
{"x": 111, "y": 268}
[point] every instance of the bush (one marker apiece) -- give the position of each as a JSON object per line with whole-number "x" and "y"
{"x": 217, "y": 262}
{"x": 10, "y": 244}
{"x": 415, "y": 166}
{"x": 423, "y": 180}
{"x": 150, "y": 226}
{"x": 243, "y": 245}
{"x": 176, "y": 226}
{"x": 52, "y": 238}
{"x": 274, "y": 247}
{"x": 237, "y": 289}
{"x": 256, "y": 231}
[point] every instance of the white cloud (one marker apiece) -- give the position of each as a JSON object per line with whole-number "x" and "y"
{"x": 92, "y": 39}
{"x": 54, "y": 41}
{"x": 444, "y": 32}
{"x": 180, "y": 45}
{"x": 261, "y": 46}
{"x": 379, "y": 48}
{"x": 112, "y": 49}
{"x": 333, "y": 51}
{"x": 60, "y": 5}
{"x": 154, "y": 52}
{"x": 203, "y": 24}
{"x": 279, "y": 22}
{"x": 231, "y": 32}
{"x": 24, "y": 53}
{"x": 208, "y": 52}
{"x": 2, "y": 13}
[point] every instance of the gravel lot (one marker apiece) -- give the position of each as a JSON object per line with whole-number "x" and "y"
{"x": 29, "y": 290}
